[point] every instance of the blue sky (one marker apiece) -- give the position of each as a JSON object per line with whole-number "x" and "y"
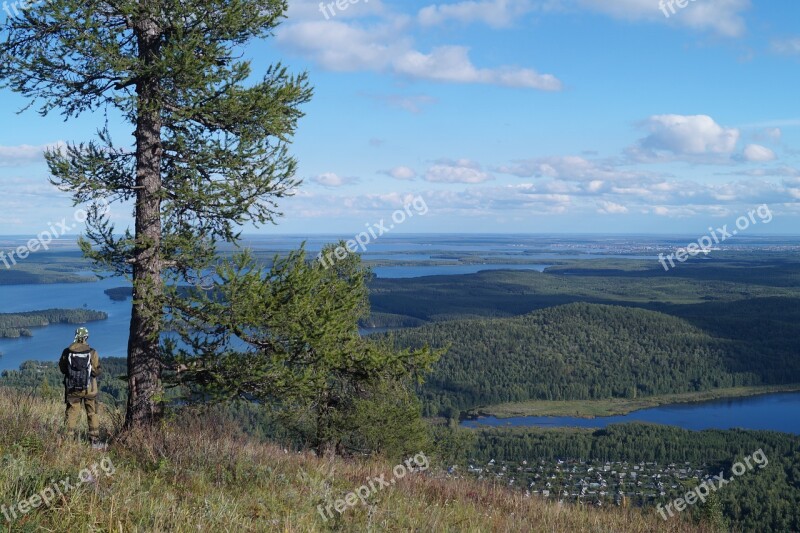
{"x": 521, "y": 116}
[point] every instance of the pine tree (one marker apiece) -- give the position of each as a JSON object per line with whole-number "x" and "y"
{"x": 209, "y": 149}
{"x": 288, "y": 338}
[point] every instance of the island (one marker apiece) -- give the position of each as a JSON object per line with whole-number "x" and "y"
{"x": 15, "y": 325}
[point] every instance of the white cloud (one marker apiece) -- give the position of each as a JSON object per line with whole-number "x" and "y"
{"x": 723, "y": 17}
{"x": 384, "y": 47}
{"x": 494, "y": 13}
{"x": 610, "y": 208}
{"x": 25, "y": 154}
{"x": 573, "y": 168}
{"x": 768, "y": 134}
{"x": 461, "y": 171}
{"x": 758, "y": 153}
{"x": 765, "y": 172}
{"x": 793, "y": 187}
{"x": 452, "y": 64}
{"x": 693, "y": 137}
{"x": 330, "y": 179}
{"x": 677, "y": 199}
{"x": 341, "y": 46}
{"x": 789, "y": 46}
{"x": 401, "y": 173}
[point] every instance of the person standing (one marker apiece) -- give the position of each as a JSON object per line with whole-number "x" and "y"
{"x": 80, "y": 365}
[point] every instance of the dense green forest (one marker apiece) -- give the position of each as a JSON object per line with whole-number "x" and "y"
{"x": 621, "y": 282}
{"x": 767, "y": 500}
{"x": 595, "y": 329}
{"x": 46, "y": 378}
{"x": 53, "y": 266}
{"x": 590, "y": 351}
{"x": 13, "y": 325}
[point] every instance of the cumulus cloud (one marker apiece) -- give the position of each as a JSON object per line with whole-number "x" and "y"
{"x": 402, "y": 173}
{"x": 461, "y": 171}
{"x": 667, "y": 198}
{"x": 572, "y": 168}
{"x": 723, "y": 17}
{"x": 692, "y": 137}
{"x": 24, "y": 154}
{"x": 768, "y": 134}
{"x": 610, "y": 208}
{"x": 494, "y": 13}
{"x": 611, "y": 185}
{"x": 385, "y": 47}
{"x": 342, "y": 46}
{"x": 758, "y": 153}
{"x": 452, "y": 64}
{"x": 331, "y": 180}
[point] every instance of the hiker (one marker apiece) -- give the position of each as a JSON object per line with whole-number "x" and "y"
{"x": 80, "y": 365}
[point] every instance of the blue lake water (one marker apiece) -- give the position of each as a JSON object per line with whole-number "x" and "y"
{"x": 777, "y": 412}
{"x": 110, "y": 337}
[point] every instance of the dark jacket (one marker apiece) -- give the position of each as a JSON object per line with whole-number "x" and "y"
{"x": 63, "y": 365}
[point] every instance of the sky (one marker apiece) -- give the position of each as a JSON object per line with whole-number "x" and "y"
{"x": 507, "y": 116}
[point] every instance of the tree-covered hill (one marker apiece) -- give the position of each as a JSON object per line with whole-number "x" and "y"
{"x": 588, "y": 351}
{"x": 619, "y": 282}
{"x": 16, "y": 324}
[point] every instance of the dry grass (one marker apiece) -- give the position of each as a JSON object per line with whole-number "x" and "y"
{"x": 200, "y": 474}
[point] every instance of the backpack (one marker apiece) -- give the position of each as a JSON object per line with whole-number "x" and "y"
{"x": 79, "y": 370}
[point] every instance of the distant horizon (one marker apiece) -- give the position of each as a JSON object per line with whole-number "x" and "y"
{"x": 492, "y": 234}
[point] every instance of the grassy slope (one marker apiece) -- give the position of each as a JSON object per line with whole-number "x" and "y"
{"x": 200, "y": 475}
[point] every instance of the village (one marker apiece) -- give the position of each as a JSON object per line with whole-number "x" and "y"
{"x": 596, "y": 482}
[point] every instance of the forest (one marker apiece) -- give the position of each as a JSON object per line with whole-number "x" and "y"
{"x": 768, "y": 500}
{"x": 13, "y": 325}
{"x": 598, "y": 329}
{"x": 588, "y": 351}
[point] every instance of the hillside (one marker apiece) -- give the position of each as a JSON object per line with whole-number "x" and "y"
{"x": 584, "y": 351}
{"x": 202, "y": 474}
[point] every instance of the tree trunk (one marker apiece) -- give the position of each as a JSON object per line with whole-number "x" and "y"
{"x": 144, "y": 354}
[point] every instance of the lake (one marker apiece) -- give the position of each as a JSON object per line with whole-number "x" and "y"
{"x": 777, "y": 412}
{"x": 110, "y": 337}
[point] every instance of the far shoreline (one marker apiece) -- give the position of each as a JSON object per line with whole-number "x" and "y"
{"x": 589, "y": 409}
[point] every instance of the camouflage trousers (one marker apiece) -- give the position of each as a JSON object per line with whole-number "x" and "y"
{"x": 76, "y": 401}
